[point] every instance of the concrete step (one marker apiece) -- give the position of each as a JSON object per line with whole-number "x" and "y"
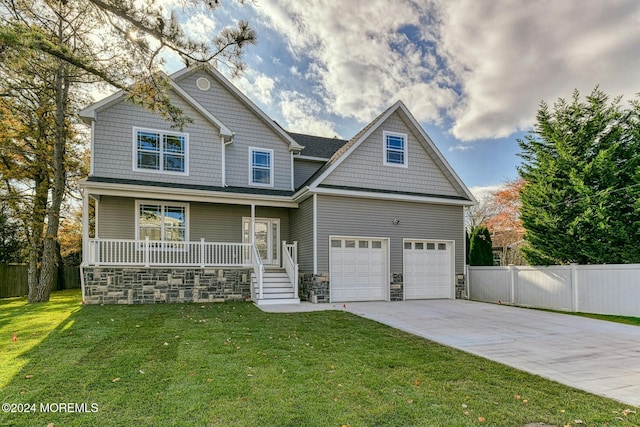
{"x": 276, "y": 289}
{"x": 278, "y": 301}
{"x": 271, "y": 279}
{"x": 277, "y": 295}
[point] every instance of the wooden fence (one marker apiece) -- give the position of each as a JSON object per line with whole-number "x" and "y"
{"x": 13, "y": 280}
{"x": 601, "y": 289}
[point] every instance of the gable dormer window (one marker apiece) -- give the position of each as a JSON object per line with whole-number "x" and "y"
{"x": 395, "y": 149}
{"x": 160, "y": 151}
{"x": 261, "y": 167}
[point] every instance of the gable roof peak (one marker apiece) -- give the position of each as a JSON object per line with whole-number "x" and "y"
{"x": 224, "y": 81}
{"x": 348, "y": 148}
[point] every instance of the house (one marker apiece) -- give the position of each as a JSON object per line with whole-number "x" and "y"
{"x": 233, "y": 207}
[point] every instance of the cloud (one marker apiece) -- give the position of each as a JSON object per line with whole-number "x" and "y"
{"x": 366, "y": 56}
{"x": 482, "y": 192}
{"x": 256, "y": 86}
{"x": 480, "y": 67}
{"x": 461, "y": 147}
{"x": 508, "y": 57}
{"x": 200, "y": 27}
{"x": 301, "y": 114}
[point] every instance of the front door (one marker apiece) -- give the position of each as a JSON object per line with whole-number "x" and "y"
{"x": 267, "y": 236}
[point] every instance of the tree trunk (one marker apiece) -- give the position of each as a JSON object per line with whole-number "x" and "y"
{"x": 40, "y": 200}
{"x": 49, "y": 268}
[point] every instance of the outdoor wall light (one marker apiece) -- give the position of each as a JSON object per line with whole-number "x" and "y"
{"x": 396, "y": 221}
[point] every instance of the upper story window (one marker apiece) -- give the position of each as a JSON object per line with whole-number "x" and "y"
{"x": 395, "y": 149}
{"x": 160, "y": 151}
{"x": 261, "y": 167}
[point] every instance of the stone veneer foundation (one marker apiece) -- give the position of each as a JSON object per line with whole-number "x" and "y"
{"x": 131, "y": 285}
{"x": 313, "y": 287}
{"x": 397, "y": 287}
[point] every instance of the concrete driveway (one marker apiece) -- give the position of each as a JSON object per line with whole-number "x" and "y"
{"x": 600, "y": 357}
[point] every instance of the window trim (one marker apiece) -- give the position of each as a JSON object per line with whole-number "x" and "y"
{"x": 162, "y": 133}
{"x": 271, "y": 166}
{"x": 405, "y": 150}
{"x": 163, "y": 204}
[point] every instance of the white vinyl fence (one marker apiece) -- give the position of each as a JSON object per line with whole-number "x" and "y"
{"x": 602, "y": 289}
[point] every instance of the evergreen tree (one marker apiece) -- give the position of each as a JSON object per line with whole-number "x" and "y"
{"x": 480, "y": 247}
{"x": 581, "y": 201}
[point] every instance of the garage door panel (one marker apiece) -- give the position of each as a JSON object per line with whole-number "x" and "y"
{"x": 358, "y": 269}
{"x": 428, "y": 270}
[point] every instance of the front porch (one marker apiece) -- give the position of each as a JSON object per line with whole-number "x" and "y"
{"x": 129, "y": 271}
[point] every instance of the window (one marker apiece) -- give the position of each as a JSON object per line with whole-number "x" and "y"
{"x": 261, "y": 167}
{"x": 395, "y": 149}
{"x": 160, "y": 151}
{"x": 160, "y": 221}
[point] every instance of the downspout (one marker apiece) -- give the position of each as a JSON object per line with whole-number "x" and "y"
{"x": 223, "y": 162}
{"x": 92, "y": 156}
{"x": 224, "y": 159}
{"x": 315, "y": 234}
{"x": 292, "y": 172}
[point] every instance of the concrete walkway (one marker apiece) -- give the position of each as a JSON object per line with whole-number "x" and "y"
{"x": 600, "y": 357}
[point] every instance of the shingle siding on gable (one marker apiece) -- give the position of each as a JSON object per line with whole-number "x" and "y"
{"x": 249, "y": 130}
{"x": 113, "y": 144}
{"x": 364, "y": 167}
{"x": 304, "y": 169}
{"x": 345, "y": 216}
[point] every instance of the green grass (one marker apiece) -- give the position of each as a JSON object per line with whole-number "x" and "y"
{"x": 610, "y": 318}
{"x": 233, "y": 365}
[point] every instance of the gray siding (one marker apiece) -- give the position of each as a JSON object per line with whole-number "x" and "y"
{"x": 217, "y": 223}
{"x": 214, "y": 222}
{"x": 249, "y": 129}
{"x": 302, "y": 231}
{"x": 303, "y": 169}
{"x": 113, "y": 149}
{"x": 364, "y": 167}
{"x": 116, "y": 218}
{"x": 344, "y": 216}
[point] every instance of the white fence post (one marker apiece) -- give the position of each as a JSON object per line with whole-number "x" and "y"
{"x": 467, "y": 281}
{"x": 574, "y": 287}
{"x": 513, "y": 273}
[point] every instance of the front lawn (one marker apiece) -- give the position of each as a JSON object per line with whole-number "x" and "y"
{"x": 233, "y": 365}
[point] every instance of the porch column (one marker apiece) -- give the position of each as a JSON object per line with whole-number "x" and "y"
{"x": 85, "y": 226}
{"x": 253, "y": 224}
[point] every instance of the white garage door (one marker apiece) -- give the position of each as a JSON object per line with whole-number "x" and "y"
{"x": 358, "y": 269}
{"x": 427, "y": 269}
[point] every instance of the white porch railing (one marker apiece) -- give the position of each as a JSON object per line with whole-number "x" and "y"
{"x": 258, "y": 270}
{"x": 290, "y": 263}
{"x": 149, "y": 253}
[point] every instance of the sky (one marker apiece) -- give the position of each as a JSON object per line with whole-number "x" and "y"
{"x": 472, "y": 72}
